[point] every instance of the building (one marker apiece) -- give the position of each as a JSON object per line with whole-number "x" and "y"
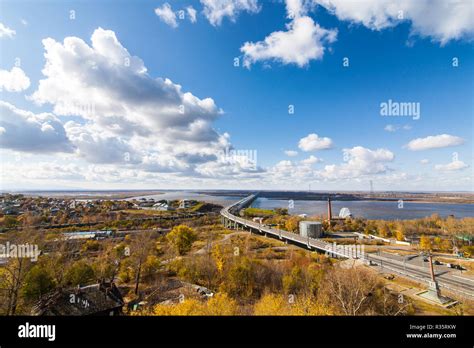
{"x": 161, "y": 206}
{"x": 99, "y": 299}
{"x": 186, "y": 203}
{"x": 311, "y": 229}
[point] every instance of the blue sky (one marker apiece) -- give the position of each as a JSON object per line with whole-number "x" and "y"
{"x": 403, "y": 60}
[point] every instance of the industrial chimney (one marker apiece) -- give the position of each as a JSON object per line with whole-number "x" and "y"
{"x": 329, "y": 210}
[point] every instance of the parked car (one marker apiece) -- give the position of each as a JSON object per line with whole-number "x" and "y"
{"x": 450, "y": 265}
{"x": 436, "y": 262}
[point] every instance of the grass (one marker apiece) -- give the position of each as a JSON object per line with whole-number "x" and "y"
{"x": 258, "y": 212}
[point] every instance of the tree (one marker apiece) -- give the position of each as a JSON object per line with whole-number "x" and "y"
{"x": 221, "y": 304}
{"x": 181, "y": 238}
{"x": 400, "y": 234}
{"x": 140, "y": 248}
{"x": 293, "y": 282}
{"x": 240, "y": 281}
{"x": 13, "y": 273}
{"x": 349, "y": 291}
{"x": 38, "y": 282}
{"x": 292, "y": 224}
{"x": 79, "y": 273}
{"x": 271, "y": 304}
{"x": 425, "y": 243}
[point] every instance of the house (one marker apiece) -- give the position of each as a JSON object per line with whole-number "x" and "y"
{"x": 161, "y": 206}
{"x": 186, "y": 203}
{"x": 101, "y": 299}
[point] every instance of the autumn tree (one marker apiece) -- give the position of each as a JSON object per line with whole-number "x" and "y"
{"x": 292, "y": 224}
{"x": 181, "y": 238}
{"x": 425, "y": 243}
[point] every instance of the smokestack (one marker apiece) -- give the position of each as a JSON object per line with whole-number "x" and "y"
{"x": 431, "y": 268}
{"x": 329, "y": 209}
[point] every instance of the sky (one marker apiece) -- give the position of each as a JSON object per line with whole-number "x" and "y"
{"x": 237, "y": 94}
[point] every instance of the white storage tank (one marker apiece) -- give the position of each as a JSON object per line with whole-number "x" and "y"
{"x": 311, "y": 229}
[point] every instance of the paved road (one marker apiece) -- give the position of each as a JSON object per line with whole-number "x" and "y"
{"x": 408, "y": 269}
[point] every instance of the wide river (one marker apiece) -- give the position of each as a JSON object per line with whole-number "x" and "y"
{"x": 364, "y": 209}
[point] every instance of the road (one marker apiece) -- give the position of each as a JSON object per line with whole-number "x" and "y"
{"x": 462, "y": 286}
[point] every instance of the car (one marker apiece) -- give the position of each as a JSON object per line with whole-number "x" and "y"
{"x": 450, "y": 265}
{"x": 425, "y": 259}
{"x": 436, "y": 262}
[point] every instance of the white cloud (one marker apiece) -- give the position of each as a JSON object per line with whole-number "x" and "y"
{"x": 442, "y": 20}
{"x": 312, "y": 142}
{"x": 14, "y": 80}
{"x": 390, "y": 128}
{"x": 311, "y": 160}
{"x": 38, "y": 133}
{"x": 24, "y": 22}
{"x": 192, "y": 14}
{"x": 126, "y": 116}
{"x": 291, "y": 153}
{"x": 359, "y": 161}
{"x": 302, "y": 42}
{"x": 166, "y": 14}
{"x": 6, "y": 31}
{"x": 216, "y": 10}
{"x": 453, "y": 166}
{"x": 434, "y": 142}
{"x": 425, "y": 161}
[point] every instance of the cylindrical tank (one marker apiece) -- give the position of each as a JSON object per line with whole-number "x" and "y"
{"x": 311, "y": 229}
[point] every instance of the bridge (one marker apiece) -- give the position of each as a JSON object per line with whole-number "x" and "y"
{"x": 230, "y": 219}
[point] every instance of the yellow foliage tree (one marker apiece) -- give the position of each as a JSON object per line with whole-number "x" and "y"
{"x": 187, "y": 307}
{"x": 218, "y": 257}
{"x": 425, "y": 243}
{"x": 271, "y": 304}
{"x": 221, "y": 304}
{"x": 181, "y": 238}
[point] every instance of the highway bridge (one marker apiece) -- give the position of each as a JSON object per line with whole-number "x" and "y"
{"x": 230, "y": 219}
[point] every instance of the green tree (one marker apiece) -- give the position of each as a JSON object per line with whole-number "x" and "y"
{"x": 80, "y": 273}
{"x": 181, "y": 238}
{"x": 38, "y": 281}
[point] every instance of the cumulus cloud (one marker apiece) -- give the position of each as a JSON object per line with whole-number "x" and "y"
{"x": 312, "y": 142}
{"x": 302, "y": 42}
{"x": 126, "y": 116}
{"x": 434, "y": 142}
{"x": 191, "y": 14}
{"x": 14, "y": 80}
{"x": 311, "y": 160}
{"x": 22, "y": 130}
{"x": 6, "y": 31}
{"x": 167, "y": 15}
{"x": 359, "y": 161}
{"x": 453, "y": 166}
{"x": 291, "y": 153}
{"x": 216, "y": 10}
{"x": 442, "y": 20}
